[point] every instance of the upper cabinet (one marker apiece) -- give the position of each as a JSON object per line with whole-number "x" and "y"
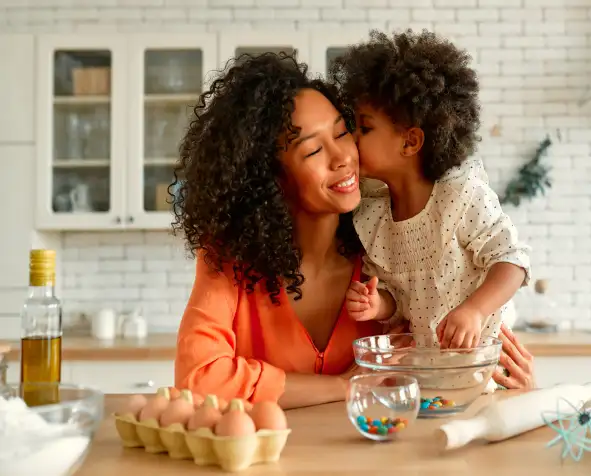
{"x": 111, "y": 111}
{"x": 81, "y": 131}
{"x": 167, "y": 75}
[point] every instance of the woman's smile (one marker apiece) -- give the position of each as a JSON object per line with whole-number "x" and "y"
{"x": 348, "y": 184}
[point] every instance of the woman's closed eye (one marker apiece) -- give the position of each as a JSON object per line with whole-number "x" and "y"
{"x": 340, "y": 135}
{"x": 364, "y": 129}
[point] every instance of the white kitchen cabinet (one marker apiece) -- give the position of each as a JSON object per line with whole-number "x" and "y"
{"x": 16, "y": 205}
{"x": 123, "y": 376}
{"x": 550, "y": 371}
{"x": 16, "y": 211}
{"x": 17, "y": 88}
{"x": 328, "y": 45}
{"x": 111, "y": 112}
{"x": 81, "y": 94}
{"x": 166, "y": 76}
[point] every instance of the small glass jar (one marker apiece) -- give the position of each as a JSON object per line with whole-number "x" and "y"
{"x": 543, "y": 317}
{"x": 4, "y": 349}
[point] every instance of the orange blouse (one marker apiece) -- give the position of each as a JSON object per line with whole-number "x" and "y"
{"x": 238, "y": 344}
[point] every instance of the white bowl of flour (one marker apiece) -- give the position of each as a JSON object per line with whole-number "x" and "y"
{"x": 51, "y": 440}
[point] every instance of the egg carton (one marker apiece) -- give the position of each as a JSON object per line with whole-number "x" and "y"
{"x": 231, "y": 453}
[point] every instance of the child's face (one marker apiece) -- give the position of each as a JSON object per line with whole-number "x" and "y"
{"x": 385, "y": 148}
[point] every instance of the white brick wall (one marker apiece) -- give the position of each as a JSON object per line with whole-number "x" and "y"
{"x": 534, "y": 59}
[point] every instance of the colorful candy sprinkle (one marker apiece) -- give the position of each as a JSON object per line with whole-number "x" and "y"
{"x": 381, "y": 426}
{"x": 436, "y": 403}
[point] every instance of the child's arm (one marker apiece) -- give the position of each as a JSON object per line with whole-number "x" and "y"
{"x": 461, "y": 328}
{"x": 366, "y": 302}
{"x": 489, "y": 234}
{"x": 502, "y": 281}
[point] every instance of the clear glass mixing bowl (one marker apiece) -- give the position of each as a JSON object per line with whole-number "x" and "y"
{"x": 50, "y": 439}
{"x": 449, "y": 379}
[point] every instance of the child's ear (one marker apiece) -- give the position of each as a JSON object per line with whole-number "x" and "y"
{"x": 415, "y": 138}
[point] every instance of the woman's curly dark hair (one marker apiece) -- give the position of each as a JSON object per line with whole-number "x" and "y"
{"x": 229, "y": 202}
{"x": 420, "y": 80}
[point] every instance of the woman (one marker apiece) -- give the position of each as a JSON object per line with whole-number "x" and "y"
{"x": 270, "y": 177}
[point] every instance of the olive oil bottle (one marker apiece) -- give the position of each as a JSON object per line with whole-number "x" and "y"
{"x": 41, "y": 341}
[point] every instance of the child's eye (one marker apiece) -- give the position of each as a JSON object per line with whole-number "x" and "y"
{"x": 342, "y": 134}
{"x": 364, "y": 129}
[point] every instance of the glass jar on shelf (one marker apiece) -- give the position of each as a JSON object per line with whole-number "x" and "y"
{"x": 543, "y": 316}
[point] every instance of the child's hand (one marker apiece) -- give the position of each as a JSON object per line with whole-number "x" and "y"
{"x": 363, "y": 300}
{"x": 460, "y": 329}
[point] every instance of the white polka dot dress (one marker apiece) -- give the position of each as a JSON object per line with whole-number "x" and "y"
{"x": 433, "y": 261}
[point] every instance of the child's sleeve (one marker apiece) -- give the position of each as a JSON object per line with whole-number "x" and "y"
{"x": 489, "y": 233}
{"x": 206, "y": 360}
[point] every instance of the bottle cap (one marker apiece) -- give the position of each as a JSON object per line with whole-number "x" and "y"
{"x": 41, "y": 267}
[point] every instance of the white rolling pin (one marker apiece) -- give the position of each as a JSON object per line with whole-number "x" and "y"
{"x": 509, "y": 417}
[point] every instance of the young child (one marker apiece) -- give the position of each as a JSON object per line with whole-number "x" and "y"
{"x": 435, "y": 235}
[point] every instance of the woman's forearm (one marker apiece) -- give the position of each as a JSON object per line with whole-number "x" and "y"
{"x": 304, "y": 390}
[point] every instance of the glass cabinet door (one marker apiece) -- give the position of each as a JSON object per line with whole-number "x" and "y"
{"x": 326, "y": 46}
{"x": 173, "y": 80}
{"x": 331, "y": 54}
{"x": 171, "y": 77}
{"x": 81, "y": 131}
{"x": 232, "y": 45}
{"x": 79, "y": 134}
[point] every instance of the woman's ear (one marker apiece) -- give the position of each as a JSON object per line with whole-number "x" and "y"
{"x": 413, "y": 143}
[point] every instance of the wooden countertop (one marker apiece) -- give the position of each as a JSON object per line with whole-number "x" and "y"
{"x": 559, "y": 344}
{"x": 323, "y": 442}
{"x": 162, "y": 347}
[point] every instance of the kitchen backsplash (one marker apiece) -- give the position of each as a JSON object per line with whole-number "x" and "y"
{"x": 534, "y": 61}
{"x": 124, "y": 270}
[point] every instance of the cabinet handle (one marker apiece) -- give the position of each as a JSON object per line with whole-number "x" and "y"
{"x": 118, "y": 220}
{"x": 130, "y": 219}
{"x": 148, "y": 384}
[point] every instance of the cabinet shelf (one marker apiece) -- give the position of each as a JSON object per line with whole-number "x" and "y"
{"x": 160, "y": 161}
{"x": 82, "y": 100}
{"x": 190, "y": 98}
{"x": 81, "y": 163}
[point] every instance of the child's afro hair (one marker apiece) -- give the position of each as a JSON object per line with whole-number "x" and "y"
{"x": 420, "y": 80}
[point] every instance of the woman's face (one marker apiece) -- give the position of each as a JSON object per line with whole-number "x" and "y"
{"x": 321, "y": 164}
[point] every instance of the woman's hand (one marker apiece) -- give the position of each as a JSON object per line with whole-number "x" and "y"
{"x": 518, "y": 362}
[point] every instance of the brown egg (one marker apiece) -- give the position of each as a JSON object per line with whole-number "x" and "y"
{"x": 222, "y": 404}
{"x": 174, "y": 393}
{"x": 235, "y": 422}
{"x": 206, "y": 416}
{"x": 154, "y": 408}
{"x": 197, "y": 400}
{"x": 177, "y": 411}
{"x": 134, "y": 405}
{"x": 268, "y": 416}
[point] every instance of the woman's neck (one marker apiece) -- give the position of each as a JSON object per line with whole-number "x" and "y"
{"x": 316, "y": 237}
{"x": 409, "y": 192}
